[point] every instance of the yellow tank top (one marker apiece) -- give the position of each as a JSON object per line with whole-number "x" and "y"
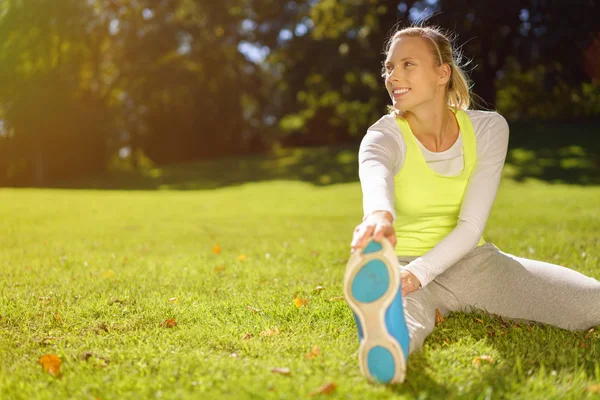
{"x": 427, "y": 204}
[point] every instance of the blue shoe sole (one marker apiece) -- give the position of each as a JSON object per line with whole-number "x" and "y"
{"x": 372, "y": 290}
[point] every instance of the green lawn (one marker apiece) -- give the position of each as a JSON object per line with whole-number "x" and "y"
{"x": 91, "y": 275}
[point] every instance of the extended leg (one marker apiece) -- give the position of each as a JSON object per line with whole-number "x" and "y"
{"x": 520, "y": 288}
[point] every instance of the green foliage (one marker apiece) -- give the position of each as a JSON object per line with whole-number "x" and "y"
{"x": 82, "y": 80}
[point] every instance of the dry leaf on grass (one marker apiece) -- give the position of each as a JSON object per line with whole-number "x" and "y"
{"x": 478, "y": 320}
{"x": 318, "y": 289}
{"x": 595, "y": 389}
{"x": 438, "y": 317}
{"x": 587, "y": 335}
{"x": 313, "y": 354}
{"x": 254, "y": 310}
{"x": 247, "y": 336}
{"x": 270, "y": 332}
{"x": 477, "y": 360}
{"x": 298, "y": 302}
{"x": 50, "y": 363}
{"x": 173, "y": 300}
{"x": 108, "y": 274}
{"x": 216, "y": 249}
{"x": 325, "y": 389}
{"x": 282, "y": 371}
{"x": 169, "y": 323}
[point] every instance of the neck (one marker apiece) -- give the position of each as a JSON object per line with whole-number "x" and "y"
{"x": 431, "y": 122}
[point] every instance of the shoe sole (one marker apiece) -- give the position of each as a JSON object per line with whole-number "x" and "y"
{"x": 372, "y": 290}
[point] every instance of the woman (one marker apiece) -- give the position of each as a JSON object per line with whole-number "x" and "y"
{"x": 429, "y": 172}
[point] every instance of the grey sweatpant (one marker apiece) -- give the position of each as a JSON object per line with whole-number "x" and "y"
{"x": 502, "y": 284}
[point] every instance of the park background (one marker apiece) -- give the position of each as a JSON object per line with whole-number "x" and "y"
{"x": 92, "y": 86}
{"x": 180, "y": 184}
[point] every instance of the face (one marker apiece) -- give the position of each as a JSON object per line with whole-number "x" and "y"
{"x": 412, "y": 77}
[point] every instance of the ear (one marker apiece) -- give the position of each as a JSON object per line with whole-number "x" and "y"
{"x": 444, "y": 74}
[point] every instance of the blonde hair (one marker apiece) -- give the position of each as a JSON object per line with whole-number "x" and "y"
{"x": 458, "y": 93}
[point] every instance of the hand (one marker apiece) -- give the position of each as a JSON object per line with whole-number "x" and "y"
{"x": 375, "y": 226}
{"x": 410, "y": 282}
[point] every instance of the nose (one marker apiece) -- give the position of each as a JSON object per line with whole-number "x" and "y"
{"x": 394, "y": 76}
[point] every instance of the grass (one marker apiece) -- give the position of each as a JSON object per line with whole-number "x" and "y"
{"x": 91, "y": 275}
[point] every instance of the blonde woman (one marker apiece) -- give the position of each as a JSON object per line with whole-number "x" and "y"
{"x": 429, "y": 172}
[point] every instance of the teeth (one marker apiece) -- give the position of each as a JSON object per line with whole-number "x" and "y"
{"x": 400, "y": 91}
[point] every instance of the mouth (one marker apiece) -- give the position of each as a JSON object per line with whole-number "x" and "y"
{"x": 399, "y": 92}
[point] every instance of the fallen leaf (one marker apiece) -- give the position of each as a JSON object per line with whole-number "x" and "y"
{"x": 313, "y": 354}
{"x": 438, "y": 317}
{"x": 46, "y": 341}
{"x": 595, "y": 389}
{"x": 477, "y": 360}
{"x": 216, "y": 249}
{"x": 102, "y": 327}
{"x": 50, "y": 363}
{"x": 57, "y": 318}
{"x": 318, "y": 289}
{"x": 173, "y": 300}
{"x": 281, "y": 371}
{"x": 300, "y": 302}
{"x": 254, "y": 310}
{"x": 247, "y": 336}
{"x": 337, "y": 298}
{"x": 242, "y": 257}
{"x": 583, "y": 345}
{"x": 270, "y": 332}
{"x": 587, "y": 335}
{"x": 325, "y": 389}
{"x": 108, "y": 274}
{"x": 478, "y": 320}
{"x": 169, "y": 323}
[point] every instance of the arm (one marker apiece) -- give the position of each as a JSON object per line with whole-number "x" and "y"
{"x": 378, "y": 161}
{"x": 476, "y": 206}
{"x": 379, "y": 157}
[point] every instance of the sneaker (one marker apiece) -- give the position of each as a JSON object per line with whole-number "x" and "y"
{"x": 372, "y": 290}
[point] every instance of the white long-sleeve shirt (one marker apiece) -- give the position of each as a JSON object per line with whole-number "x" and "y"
{"x": 381, "y": 156}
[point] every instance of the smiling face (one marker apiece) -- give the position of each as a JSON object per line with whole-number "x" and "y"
{"x": 413, "y": 77}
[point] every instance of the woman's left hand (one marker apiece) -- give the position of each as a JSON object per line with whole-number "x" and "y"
{"x": 410, "y": 282}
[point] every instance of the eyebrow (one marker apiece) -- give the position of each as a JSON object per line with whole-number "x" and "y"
{"x": 404, "y": 59}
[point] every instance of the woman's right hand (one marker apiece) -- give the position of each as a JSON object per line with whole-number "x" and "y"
{"x": 376, "y": 226}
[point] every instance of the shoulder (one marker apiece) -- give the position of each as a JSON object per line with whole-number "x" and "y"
{"x": 386, "y": 125}
{"x": 488, "y": 126}
{"x": 384, "y": 131}
{"x": 484, "y": 120}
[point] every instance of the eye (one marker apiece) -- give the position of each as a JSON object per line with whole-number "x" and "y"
{"x": 389, "y": 67}
{"x": 409, "y": 64}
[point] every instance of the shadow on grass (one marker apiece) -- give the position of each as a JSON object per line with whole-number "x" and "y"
{"x": 520, "y": 351}
{"x": 319, "y": 166}
{"x": 559, "y": 153}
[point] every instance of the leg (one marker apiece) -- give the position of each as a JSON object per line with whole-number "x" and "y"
{"x": 420, "y": 306}
{"x": 520, "y": 288}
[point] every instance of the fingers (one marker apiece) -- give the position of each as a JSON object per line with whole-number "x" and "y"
{"x": 361, "y": 234}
